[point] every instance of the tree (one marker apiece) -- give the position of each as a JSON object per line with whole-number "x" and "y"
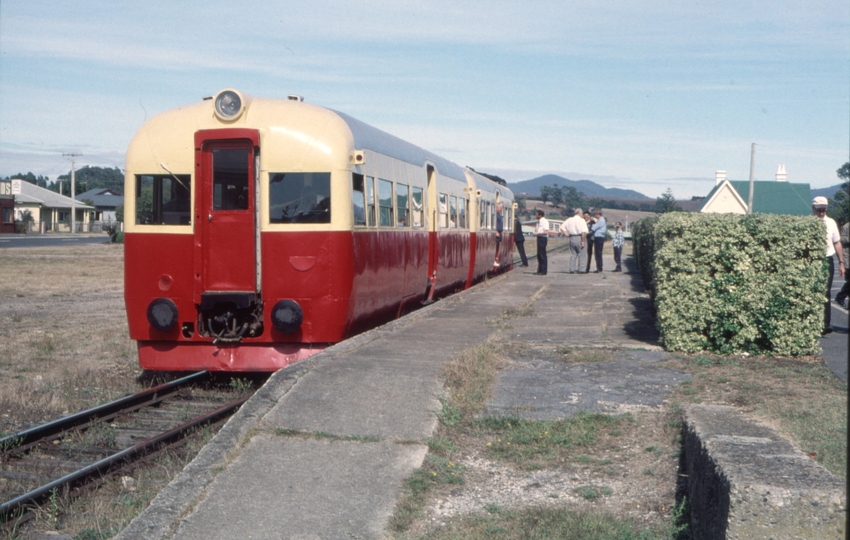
{"x": 666, "y": 203}
{"x": 840, "y": 211}
{"x": 545, "y": 194}
{"x": 91, "y": 178}
{"x": 571, "y": 198}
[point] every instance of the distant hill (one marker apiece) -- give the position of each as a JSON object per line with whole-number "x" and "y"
{"x": 590, "y": 189}
{"x": 821, "y": 192}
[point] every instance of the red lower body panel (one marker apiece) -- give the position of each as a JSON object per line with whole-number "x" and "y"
{"x": 171, "y": 355}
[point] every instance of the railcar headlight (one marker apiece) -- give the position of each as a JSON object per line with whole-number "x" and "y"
{"x": 287, "y": 316}
{"x": 228, "y": 105}
{"x": 162, "y": 314}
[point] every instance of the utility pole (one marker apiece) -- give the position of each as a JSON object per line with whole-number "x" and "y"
{"x": 74, "y": 201}
{"x": 752, "y": 168}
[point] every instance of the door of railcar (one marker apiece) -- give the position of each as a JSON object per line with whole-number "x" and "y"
{"x": 226, "y": 216}
{"x": 431, "y": 220}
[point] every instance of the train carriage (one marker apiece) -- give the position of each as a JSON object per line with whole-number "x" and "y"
{"x": 258, "y": 231}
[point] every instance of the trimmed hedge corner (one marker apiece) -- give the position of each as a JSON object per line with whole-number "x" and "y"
{"x": 729, "y": 283}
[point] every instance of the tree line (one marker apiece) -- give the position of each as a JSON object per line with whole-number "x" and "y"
{"x": 566, "y": 199}
{"x": 85, "y": 178}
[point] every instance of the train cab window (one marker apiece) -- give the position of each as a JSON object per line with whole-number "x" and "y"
{"x": 417, "y": 209}
{"x": 230, "y": 178}
{"x": 163, "y": 199}
{"x": 358, "y": 199}
{"x": 300, "y": 197}
{"x": 402, "y": 205}
{"x": 443, "y": 204}
{"x": 370, "y": 201}
{"x": 453, "y": 210}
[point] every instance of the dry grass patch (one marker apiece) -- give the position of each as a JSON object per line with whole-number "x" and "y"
{"x": 801, "y": 398}
{"x": 64, "y": 343}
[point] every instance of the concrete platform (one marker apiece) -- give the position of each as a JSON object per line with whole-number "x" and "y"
{"x": 322, "y": 450}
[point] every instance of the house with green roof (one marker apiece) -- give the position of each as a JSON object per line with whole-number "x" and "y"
{"x": 769, "y": 197}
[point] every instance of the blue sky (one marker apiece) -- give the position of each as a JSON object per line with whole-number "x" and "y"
{"x": 640, "y": 94}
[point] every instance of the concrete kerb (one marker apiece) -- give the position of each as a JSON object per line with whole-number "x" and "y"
{"x": 745, "y": 481}
{"x": 182, "y": 494}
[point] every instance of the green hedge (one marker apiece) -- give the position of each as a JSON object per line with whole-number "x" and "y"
{"x": 729, "y": 283}
{"x": 643, "y": 246}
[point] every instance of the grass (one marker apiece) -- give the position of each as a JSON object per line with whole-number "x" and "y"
{"x": 545, "y": 523}
{"x": 532, "y": 445}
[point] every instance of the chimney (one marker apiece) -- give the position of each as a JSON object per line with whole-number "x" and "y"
{"x": 719, "y": 177}
{"x": 780, "y": 174}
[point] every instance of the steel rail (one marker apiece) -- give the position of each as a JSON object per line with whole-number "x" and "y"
{"x": 40, "y": 494}
{"x": 151, "y": 396}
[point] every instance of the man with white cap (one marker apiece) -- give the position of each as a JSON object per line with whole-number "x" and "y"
{"x": 833, "y": 247}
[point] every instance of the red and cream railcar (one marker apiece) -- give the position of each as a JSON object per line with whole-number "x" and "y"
{"x": 258, "y": 231}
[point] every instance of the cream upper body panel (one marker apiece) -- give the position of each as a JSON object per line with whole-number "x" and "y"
{"x": 294, "y": 137}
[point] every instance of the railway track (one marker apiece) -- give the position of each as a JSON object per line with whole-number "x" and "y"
{"x": 64, "y": 456}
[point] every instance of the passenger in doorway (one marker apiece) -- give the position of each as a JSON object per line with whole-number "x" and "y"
{"x": 541, "y": 231}
{"x": 599, "y": 230}
{"x": 500, "y": 227}
{"x": 576, "y": 228}
{"x": 519, "y": 241}
{"x": 588, "y": 252}
{"x": 833, "y": 247}
{"x": 617, "y": 244}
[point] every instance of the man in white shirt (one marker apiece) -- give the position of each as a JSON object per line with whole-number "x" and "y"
{"x": 576, "y": 228}
{"x": 541, "y": 231}
{"x": 833, "y": 247}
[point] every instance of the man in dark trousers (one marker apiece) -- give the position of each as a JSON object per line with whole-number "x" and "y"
{"x": 519, "y": 241}
{"x": 541, "y": 231}
{"x": 500, "y": 228}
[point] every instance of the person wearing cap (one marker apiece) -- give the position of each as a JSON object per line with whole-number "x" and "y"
{"x": 833, "y": 247}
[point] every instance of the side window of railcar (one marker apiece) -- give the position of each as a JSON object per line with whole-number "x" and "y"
{"x": 453, "y": 207}
{"x": 416, "y": 211}
{"x": 163, "y": 199}
{"x": 443, "y": 204}
{"x": 461, "y": 212}
{"x": 385, "y": 202}
{"x": 402, "y": 205}
{"x": 358, "y": 198}
{"x": 300, "y": 197}
{"x": 482, "y": 215}
{"x": 370, "y": 201}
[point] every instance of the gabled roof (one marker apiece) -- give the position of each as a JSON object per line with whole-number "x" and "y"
{"x": 769, "y": 196}
{"x": 32, "y": 194}
{"x": 102, "y": 197}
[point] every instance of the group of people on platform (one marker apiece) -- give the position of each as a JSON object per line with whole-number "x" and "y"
{"x": 587, "y": 237}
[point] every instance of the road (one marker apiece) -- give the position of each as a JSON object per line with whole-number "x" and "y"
{"x": 835, "y": 345}
{"x": 49, "y": 240}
